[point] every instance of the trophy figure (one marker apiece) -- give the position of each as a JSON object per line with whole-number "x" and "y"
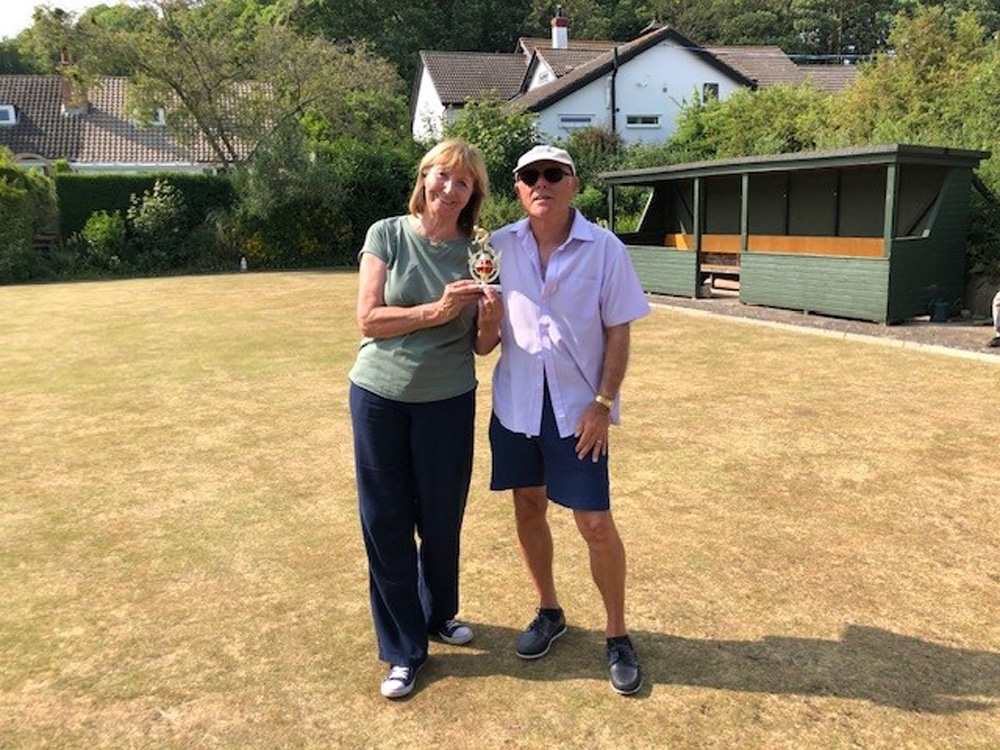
{"x": 484, "y": 260}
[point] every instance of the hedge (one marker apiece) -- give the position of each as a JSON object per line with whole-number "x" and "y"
{"x": 80, "y": 195}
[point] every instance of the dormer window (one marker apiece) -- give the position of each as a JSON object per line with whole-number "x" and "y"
{"x": 160, "y": 117}
{"x": 8, "y": 115}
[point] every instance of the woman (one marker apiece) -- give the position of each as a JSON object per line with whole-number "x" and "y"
{"x": 413, "y": 403}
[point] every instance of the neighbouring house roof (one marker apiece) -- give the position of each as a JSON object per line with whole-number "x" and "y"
{"x": 767, "y": 65}
{"x": 104, "y": 134}
{"x": 562, "y": 61}
{"x": 460, "y": 76}
{"x": 832, "y": 78}
{"x": 531, "y": 44}
{"x": 549, "y": 93}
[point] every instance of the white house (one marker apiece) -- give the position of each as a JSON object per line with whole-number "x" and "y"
{"x": 633, "y": 88}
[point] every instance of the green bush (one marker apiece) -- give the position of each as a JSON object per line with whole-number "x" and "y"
{"x": 592, "y": 203}
{"x": 501, "y": 137}
{"x": 499, "y": 210}
{"x": 595, "y": 150}
{"x": 15, "y": 231}
{"x": 27, "y": 207}
{"x": 106, "y": 239}
{"x": 310, "y": 204}
{"x": 157, "y": 222}
{"x": 80, "y": 195}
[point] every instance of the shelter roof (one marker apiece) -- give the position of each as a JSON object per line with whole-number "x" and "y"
{"x": 801, "y": 160}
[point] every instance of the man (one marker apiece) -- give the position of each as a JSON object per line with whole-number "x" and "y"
{"x": 995, "y": 341}
{"x": 569, "y": 293}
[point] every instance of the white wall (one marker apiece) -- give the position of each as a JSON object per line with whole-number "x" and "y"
{"x": 653, "y": 83}
{"x": 428, "y": 115}
{"x": 541, "y": 75}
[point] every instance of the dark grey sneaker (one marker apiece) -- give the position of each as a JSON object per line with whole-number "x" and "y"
{"x": 537, "y": 639}
{"x": 994, "y": 342}
{"x": 626, "y": 676}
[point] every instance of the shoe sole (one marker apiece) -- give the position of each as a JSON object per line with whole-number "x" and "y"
{"x": 455, "y": 641}
{"x": 540, "y": 654}
{"x": 633, "y": 691}
{"x": 409, "y": 689}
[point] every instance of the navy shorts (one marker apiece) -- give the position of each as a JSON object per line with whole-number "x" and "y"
{"x": 549, "y": 460}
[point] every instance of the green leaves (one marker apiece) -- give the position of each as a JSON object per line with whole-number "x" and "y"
{"x": 500, "y": 135}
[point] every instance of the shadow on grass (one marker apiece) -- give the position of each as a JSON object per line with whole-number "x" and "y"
{"x": 867, "y": 663}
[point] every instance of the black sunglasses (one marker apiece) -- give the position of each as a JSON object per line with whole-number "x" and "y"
{"x": 552, "y": 175}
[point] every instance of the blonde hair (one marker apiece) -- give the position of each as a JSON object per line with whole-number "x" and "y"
{"x": 454, "y": 154}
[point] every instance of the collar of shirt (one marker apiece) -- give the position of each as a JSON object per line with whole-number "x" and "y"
{"x": 579, "y": 231}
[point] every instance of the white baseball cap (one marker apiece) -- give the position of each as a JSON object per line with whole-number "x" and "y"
{"x": 545, "y": 153}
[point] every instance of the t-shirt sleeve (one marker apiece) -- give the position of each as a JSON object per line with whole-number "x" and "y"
{"x": 377, "y": 242}
{"x": 622, "y": 298}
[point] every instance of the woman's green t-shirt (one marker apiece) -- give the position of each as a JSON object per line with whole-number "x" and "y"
{"x": 433, "y": 363}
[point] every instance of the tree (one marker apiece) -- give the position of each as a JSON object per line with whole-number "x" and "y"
{"x": 225, "y": 71}
{"x": 935, "y": 89}
{"x": 399, "y": 29}
{"x": 757, "y": 22}
{"x": 773, "y": 120}
{"x": 11, "y": 60}
{"x": 500, "y": 135}
{"x": 835, "y": 27}
{"x": 985, "y": 12}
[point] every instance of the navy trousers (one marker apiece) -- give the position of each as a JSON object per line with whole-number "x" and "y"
{"x": 413, "y": 465}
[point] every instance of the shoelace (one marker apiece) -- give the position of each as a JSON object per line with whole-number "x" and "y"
{"x": 450, "y": 625}
{"x": 399, "y": 673}
{"x": 622, "y": 652}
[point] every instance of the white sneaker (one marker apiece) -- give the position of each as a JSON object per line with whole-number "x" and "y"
{"x": 454, "y": 632}
{"x": 400, "y": 681}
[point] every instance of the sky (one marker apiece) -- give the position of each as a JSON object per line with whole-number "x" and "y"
{"x": 15, "y": 15}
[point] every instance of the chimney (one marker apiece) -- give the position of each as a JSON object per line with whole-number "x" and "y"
{"x": 560, "y": 30}
{"x": 74, "y": 95}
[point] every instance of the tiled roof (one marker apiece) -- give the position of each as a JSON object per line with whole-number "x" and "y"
{"x": 562, "y": 61}
{"x": 460, "y": 76}
{"x": 104, "y": 134}
{"x": 832, "y": 78}
{"x": 549, "y": 93}
{"x": 530, "y": 44}
{"x": 768, "y": 65}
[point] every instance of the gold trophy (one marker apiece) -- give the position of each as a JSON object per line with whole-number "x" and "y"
{"x": 484, "y": 260}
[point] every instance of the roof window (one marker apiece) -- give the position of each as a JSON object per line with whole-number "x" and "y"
{"x": 8, "y": 115}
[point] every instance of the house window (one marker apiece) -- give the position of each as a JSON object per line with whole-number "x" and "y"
{"x": 8, "y": 115}
{"x": 642, "y": 121}
{"x": 160, "y": 116}
{"x": 575, "y": 121}
{"x": 709, "y": 92}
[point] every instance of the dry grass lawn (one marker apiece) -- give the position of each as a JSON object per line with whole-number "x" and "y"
{"x": 812, "y": 528}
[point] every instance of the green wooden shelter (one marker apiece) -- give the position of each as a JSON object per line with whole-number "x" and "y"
{"x": 875, "y": 233}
